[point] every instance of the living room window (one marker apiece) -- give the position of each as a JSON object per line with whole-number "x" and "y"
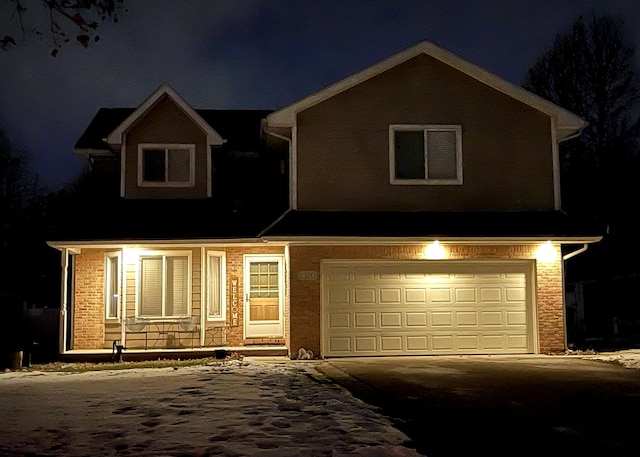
{"x": 112, "y": 282}
{"x": 425, "y": 154}
{"x": 166, "y": 165}
{"x": 164, "y": 284}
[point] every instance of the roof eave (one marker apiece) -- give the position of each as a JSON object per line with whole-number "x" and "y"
{"x": 285, "y": 117}
{"x": 116, "y": 136}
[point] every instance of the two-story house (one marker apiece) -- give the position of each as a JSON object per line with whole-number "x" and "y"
{"x": 411, "y": 208}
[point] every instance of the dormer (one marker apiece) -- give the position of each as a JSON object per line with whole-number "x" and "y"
{"x": 165, "y": 149}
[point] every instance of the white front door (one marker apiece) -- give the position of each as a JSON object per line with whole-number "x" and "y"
{"x": 263, "y": 296}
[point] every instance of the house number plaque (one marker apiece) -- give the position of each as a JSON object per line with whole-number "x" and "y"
{"x": 307, "y": 275}
{"x": 234, "y": 301}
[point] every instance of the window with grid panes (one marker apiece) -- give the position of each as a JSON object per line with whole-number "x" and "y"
{"x": 263, "y": 280}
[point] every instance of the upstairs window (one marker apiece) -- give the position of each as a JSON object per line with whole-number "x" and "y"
{"x": 170, "y": 165}
{"x": 425, "y": 154}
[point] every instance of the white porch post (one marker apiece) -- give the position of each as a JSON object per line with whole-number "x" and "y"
{"x": 64, "y": 263}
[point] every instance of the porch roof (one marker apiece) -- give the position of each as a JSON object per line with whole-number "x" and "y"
{"x": 435, "y": 225}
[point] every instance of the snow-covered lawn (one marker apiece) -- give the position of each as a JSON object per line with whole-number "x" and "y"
{"x": 232, "y": 408}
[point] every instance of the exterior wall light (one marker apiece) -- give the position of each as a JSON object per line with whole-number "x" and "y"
{"x": 435, "y": 251}
{"x": 547, "y": 253}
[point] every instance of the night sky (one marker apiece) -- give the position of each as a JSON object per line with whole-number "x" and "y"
{"x": 262, "y": 54}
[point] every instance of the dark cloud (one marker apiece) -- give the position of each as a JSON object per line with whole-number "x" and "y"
{"x": 256, "y": 54}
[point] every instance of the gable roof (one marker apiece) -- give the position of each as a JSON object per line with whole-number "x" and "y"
{"x": 240, "y": 128}
{"x": 115, "y": 137}
{"x": 568, "y": 123}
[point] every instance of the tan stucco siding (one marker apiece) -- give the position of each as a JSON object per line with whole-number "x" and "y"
{"x": 343, "y": 144}
{"x": 166, "y": 123}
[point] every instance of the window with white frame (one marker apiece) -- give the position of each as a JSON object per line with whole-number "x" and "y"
{"x": 112, "y": 282}
{"x": 164, "y": 284}
{"x": 215, "y": 286}
{"x": 425, "y": 154}
{"x": 166, "y": 165}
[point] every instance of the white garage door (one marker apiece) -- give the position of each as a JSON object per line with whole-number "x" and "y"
{"x": 426, "y": 308}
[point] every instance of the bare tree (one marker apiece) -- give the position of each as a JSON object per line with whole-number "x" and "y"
{"x": 590, "y": 70}
{"x": 66, "y": 20}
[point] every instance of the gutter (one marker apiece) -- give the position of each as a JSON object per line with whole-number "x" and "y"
{"x": 576, "y": 252}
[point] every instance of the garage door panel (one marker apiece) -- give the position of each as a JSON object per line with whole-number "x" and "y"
{"x": 364, "y": 296}
{"x": 467, "y": 318}
{"x": 366, "y": 344}
{"x": 339, "y": 320}
{"x": 466, "y": 295}
{"x": 365, "y": 320}
{"x": 491, "y": 318}
{"x": 516, "y": 318}
{"x": 340, "y": 345}
{"x": 391, "y": 320}
{"x": 441, "y": 318}
{"x": 339, "y": 296}
{"x": 391, "y": 343}
{"x": 391, "y": 296}
{"x": 515, "y": 294}
{"x": 417, "y": 343}
{"x": 440, "y": 295}
{"x": 414, "y": 295}
{"x": 405, "y": 308}
{"x": 490, "y": 294}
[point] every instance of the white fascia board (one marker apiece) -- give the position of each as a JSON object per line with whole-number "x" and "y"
{"x": 85, "y": 153}
{"x": 567, "y": 121}
{"x": 116, "y": 137}
{"x": 114, "y": 244}
{"x": 322, "y": 241}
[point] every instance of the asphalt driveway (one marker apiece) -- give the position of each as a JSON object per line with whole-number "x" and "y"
{"x": 501, "y": 405}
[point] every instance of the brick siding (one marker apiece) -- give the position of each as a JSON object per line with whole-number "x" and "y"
{"x": 306, "y": 301}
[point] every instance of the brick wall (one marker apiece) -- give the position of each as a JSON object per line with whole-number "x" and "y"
{"x": 305, "y": 297}
{"x": 88, "y": 308}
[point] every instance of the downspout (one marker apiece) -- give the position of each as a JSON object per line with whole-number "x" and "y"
{"x": 289, "y": 143}
{"x": 566, "y": 257}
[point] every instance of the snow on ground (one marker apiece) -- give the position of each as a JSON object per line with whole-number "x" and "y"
{"x": 233, "y": 408}
{"x": 629, "y": 358}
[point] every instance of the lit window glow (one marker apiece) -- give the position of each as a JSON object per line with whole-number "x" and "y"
{"x": 435, "y": 251}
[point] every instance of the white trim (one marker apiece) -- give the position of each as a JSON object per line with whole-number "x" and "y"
{"x": 123, "y": 164}
{"x": 163, "y": 254}
{"x": 117, "y": 136}
{"x": 425, "y": 128}
{"x": 528, "y": 266}
{"x": 567, "y": 121}
{"x": 76, "y": 246}
{"x": 555, "y": 157}
{"x": 222, "y": 276}
{"x": 385, "y": 241}
{"x": 270, "y": 328}
{"x": 142, "y": 147}
{"x": 87, "y": 153}
{"x": 64, "y": 296}
{"x": 107, "y": 281}
{"x": 293, "y": 168}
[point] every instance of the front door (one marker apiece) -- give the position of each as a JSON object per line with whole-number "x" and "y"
{"x": 263, "y": 296}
